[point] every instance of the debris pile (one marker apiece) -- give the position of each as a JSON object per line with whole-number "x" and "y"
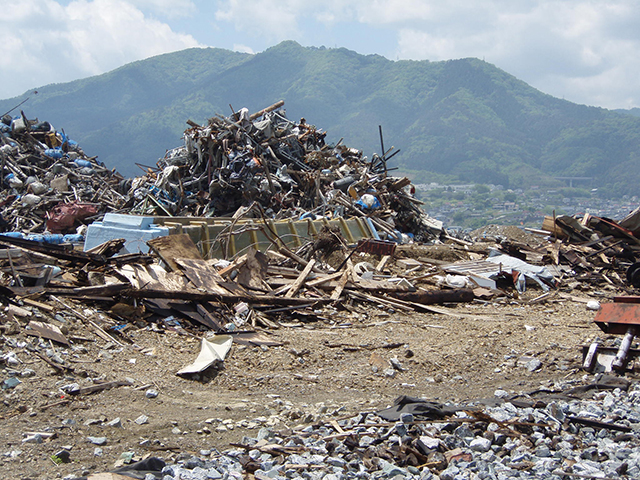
{"x": 48, "y": 182}
{"x": 283, "y": 166}
{"x": 262, "y": 167}
{"x": 594, "y": 251}
{"x": 585, "y": 252}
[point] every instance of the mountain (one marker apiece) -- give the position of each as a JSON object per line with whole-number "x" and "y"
{"x": 632, "y": 111}
{"x": 460, "y": 120}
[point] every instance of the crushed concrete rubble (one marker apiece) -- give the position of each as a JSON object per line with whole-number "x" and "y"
{"x": 587, "y": 431}
{"x": 64, "y": 308}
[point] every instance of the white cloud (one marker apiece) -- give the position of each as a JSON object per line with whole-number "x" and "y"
{"x": 274, "y": 19}
{"x": 242, "y": 48}
{"x": 573, "y": 49}
{"x": 169, "y": 8}
{"x": 46, "y": 42}
{"x": 585, "y": 51}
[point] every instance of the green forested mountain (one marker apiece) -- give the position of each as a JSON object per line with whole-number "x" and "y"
{"x": 462, "y": 120}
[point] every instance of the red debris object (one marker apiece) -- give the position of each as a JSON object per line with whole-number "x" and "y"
{"x": 620, "y": 317}
{"x": 615, "y": 318}
{"x": 377, "y": 247}
{"x": 64, "y": 217}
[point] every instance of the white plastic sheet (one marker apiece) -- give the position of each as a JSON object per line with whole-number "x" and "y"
{"x": 211, "y": 351}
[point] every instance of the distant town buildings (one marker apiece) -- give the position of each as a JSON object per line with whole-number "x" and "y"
{"x": 470, "y": 203}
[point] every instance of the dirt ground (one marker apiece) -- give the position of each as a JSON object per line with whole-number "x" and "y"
{"x": 444, "y": 357}
{"x": 325, "y": 369}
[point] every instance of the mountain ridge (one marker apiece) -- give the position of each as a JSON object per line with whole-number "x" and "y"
{"x": 460, "y": 120}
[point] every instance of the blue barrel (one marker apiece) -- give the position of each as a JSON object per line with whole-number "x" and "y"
{"x": 73, "y": 238}
{"x": 54, "y": 153}
{"x": 83, "y": 163}
{"x": 52, "y": 238}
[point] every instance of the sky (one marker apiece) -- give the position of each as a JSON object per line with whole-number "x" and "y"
{"x": 584, "y": 51}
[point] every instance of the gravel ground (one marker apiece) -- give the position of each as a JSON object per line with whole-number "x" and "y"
{"x": 324, "y": 370}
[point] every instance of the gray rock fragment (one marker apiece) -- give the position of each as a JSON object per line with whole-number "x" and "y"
{"x": 97, "y": 440}
{"x": 141, "y": 420}
{"x": 533, "y": 365}
{"x": 115, "y": 423}
{"x": 480, "y": 444}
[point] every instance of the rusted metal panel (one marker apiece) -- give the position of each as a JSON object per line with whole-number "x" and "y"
{"x": 616, "y": 317}
{"x": 376, "y": 247}
{"x": 627, "y": 299}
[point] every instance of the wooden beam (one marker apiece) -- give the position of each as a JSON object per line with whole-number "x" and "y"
{"x": 301, "y": 279}
{"x": 324, "y": 279}
{"x": 335, "y": 295}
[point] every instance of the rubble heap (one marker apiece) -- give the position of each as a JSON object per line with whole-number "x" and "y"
{"x": 285, "y": 167}
{"x": 49, "y": 183}
{"x": 264, "y": 166}
{"x": 231, "y": 162}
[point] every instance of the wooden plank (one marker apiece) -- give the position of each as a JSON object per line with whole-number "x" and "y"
{"x": 237, "y": 263}
{"x": 324, "y": 279}
{"x": 270, "y": 108}
{"x": 109, "y": 246}
{"x": 300, "y": 260}
{"x": 104, "y": 335}
{"x": 14, "y": 253}
{"x": 590, "y": 422}
{"x": 549, "y": 224}
{"x": 555, "y": 252}
{"x": 153, "y": 276}
{"x": 536, "y": 231}
{"x": 449, "y": 313}
{"x": 190, "y": 311}
{"x": 353, "y": 276}
{"x": 98, "y": 387}
{"x": 46, "y": 330}
{"x": 214, "y": 297}
{"x": 335, "y": 295}
{"x": 424, "y": 297}
{"x": 202, "y": 275}
{"x": 301, "y": 279}
{"x": 282, "y": 285}
{"x": 172, "y": 247}
{"x": 208, "y": 316}
{"x": 283, "y": 271}
{"x": 254, "y": 271}
{"x": 400, "y": 304}
{"x": 338, "y": 428}
{"x": 284, "y": 288}
{"x": 56, "y": 366}
{"x": 383, "y": 263}
{"x": 40, "y": 305}
{"x": 57, "y": 251}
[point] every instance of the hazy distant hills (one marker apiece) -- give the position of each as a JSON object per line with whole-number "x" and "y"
{"x": 463, "y": 120}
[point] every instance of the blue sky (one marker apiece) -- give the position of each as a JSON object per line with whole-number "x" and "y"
{"x": 582, "y": 50}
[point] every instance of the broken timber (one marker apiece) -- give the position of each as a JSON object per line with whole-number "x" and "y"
{"x": 57, "y": 251}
